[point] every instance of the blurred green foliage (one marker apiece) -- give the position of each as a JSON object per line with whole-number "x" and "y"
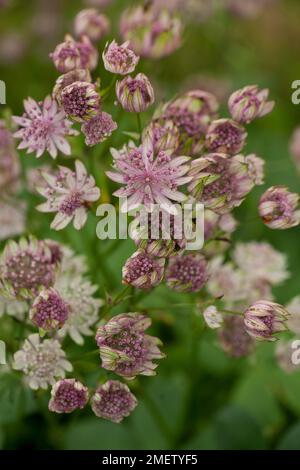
{"x": 201, "y": 398}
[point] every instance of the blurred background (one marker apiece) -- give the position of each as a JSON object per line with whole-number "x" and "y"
{"x": 201, "y": 398}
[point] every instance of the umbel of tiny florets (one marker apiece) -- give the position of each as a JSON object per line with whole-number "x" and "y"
{"x": 125, "y": 348}
{"x": 80, "y": 101}
{"x": 249, "y": 103}
{"x": 68, "y": 395}
{"x": 264, "y": 319}
{"x": 278, "y": 208}
{"x": 225, "y": 136}
{"x": 143, "y": 270}
{"x": 26, "y": 267}
{"x": 187, "y": 273}
{"x": 98, "y": 128}
{"x": 135, "y": 94}
{"x": 49, "y": 311}
{"x": 77, "y": 75}
{"x": 113, "y": 401}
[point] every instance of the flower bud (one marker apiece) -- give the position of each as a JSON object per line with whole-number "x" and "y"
{"x": 49, "y": 311}
{"x": 80, "y": 101}
{"x": 226, "y": 136}
{"x": 278, "y": 208}
{"x": 77, "y": 75}
{"x": 113, "y": 401}
{"x": 119, "y": 59}
{"x": 249, "y": 103}
{"x": 135, "y": 94}
{"x": 91, "y": 23}
{"x": 143, "y": 270}
{"x": 68, "y": 395}
{"x": 187, "y": 273}
{"x": 263, "y": 319}
{"x": 66, "y": 56}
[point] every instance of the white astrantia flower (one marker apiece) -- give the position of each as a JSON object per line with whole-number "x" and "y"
{"x": 212, "y": 317}
{"x": 42, "y": 361}
{"x": 78, "y": 292}
{"x": 14, "y": 308}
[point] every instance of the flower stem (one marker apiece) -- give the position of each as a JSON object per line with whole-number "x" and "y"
{"x": 140, "y": 127}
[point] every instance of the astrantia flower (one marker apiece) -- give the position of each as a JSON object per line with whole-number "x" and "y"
{"x": 77, "y": 75}
{"x": 233, "y": 337}
{"x": 49, "y": 311}
{"x": 219, "y": 182}
{"x": 260, "y": 261}
{"x": 89, "y": 55}
{"x": 80, "y": 101}
{"x": 278, "y": 208}
{"x": 78, "y": 292}
{"x": 66, "y": 56}
{"x": 225, "y": 136}
{"x": 68, "y": 395}
{"x": 125, "y": 348}
{"x": 255, "y": 168}
{"x": 191, "y": 113}
{"x": 25, "y": 267}
{"x": 42, "y": 361}
{"x": 187, "y": 273}
{"x": 113, "y": 401}
{"x": 165, "y": 135}
{"x": 91, "y": 23}
{"x": 135, "y": 94}
{"x": 98, "y": 129}
{"x": 119, "y": 59}
{"x": 148, "y": 177}
{"x": 263, "y": 319}
{"x": 69, "y": 194}
{"x": 212, "y": 317}
{"x": 10, "y": 168}
{"x": 143, "y": 270}
{"x": 249, "y": 103}
{"x": 44, "y": 128}
{"x": 152, "y": 33}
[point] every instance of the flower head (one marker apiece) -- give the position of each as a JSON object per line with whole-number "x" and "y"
{"x": 80, "y": 101}
{"x": 125, "y": 348}
{"x": 152, "y": 33}
{"x": 113, "y": 401}
{"x": 191, "y": 113}
{"x": 225, "y": 136}
{"x": 249, "y": 103}
{"x": 187, "y": 273}
{"x": 233, "y": 337}
{"x": 89, "y": 55}
{"x": 149, "y": 177}
{"x": 77, "y": 75}
{"x": 165, "y": 135}
{"x": 98, "y": 128}
{"x": 263, "y": 319}
{"x": 255, "y": 168}
{"x": 66, "y": 56}
{"x": 278, "y": 208}
{"x": 91, "y": 23}
{"x": 26, "y": 267}
{"x": 143, "y": 270}
{"x": 219, "y": 182}
{"x": 68, "y": 395}
{"x": 119, "y": 59}
{"x": 69, "y": 194}
{"x": 42, "y": 361}
{"x": 135, "y": 94}
{"x": 49, "y": 311}
{"x": 43, "y": 128}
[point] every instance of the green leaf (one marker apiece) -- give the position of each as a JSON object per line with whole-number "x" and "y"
{"x": 13, "y": 399}
{"x": 291, "y": 440}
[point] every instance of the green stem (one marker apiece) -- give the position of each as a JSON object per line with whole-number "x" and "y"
{"x": 140, "y": 127}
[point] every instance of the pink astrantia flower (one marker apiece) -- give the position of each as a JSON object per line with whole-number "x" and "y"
{"x": 263, "y": 319}
{"x": 147, "y": 177}
{"x": 187, "y": 273}
{"x": 89, "y": 55}
{"x": 165, "y": 135}
{"x": 49, "y": 311}
{"x": 226, "y": 136}
{"x": 68, "y": 395}
{"x": 98, "y": 129}
{"x": 152, "y": 32}
{"x": 135, "y": 94}
{"x": 125, "y": 348}
{"x": 44, "y": 128}
{"x": 143, "y": 270}
{"x": 219, "y": 182}
{"x": 66, "y": 56}
{"x": 113, "y": 401}
{"x": 119, "y": 59}
{"x": 249, "y": 103}
{"x": 69, "y": 194}
{"x": 80, "y": 101}
{"x": 77, "y": 75}
{"x": 278, "y": 208}
{"x": 91, "y": 23}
